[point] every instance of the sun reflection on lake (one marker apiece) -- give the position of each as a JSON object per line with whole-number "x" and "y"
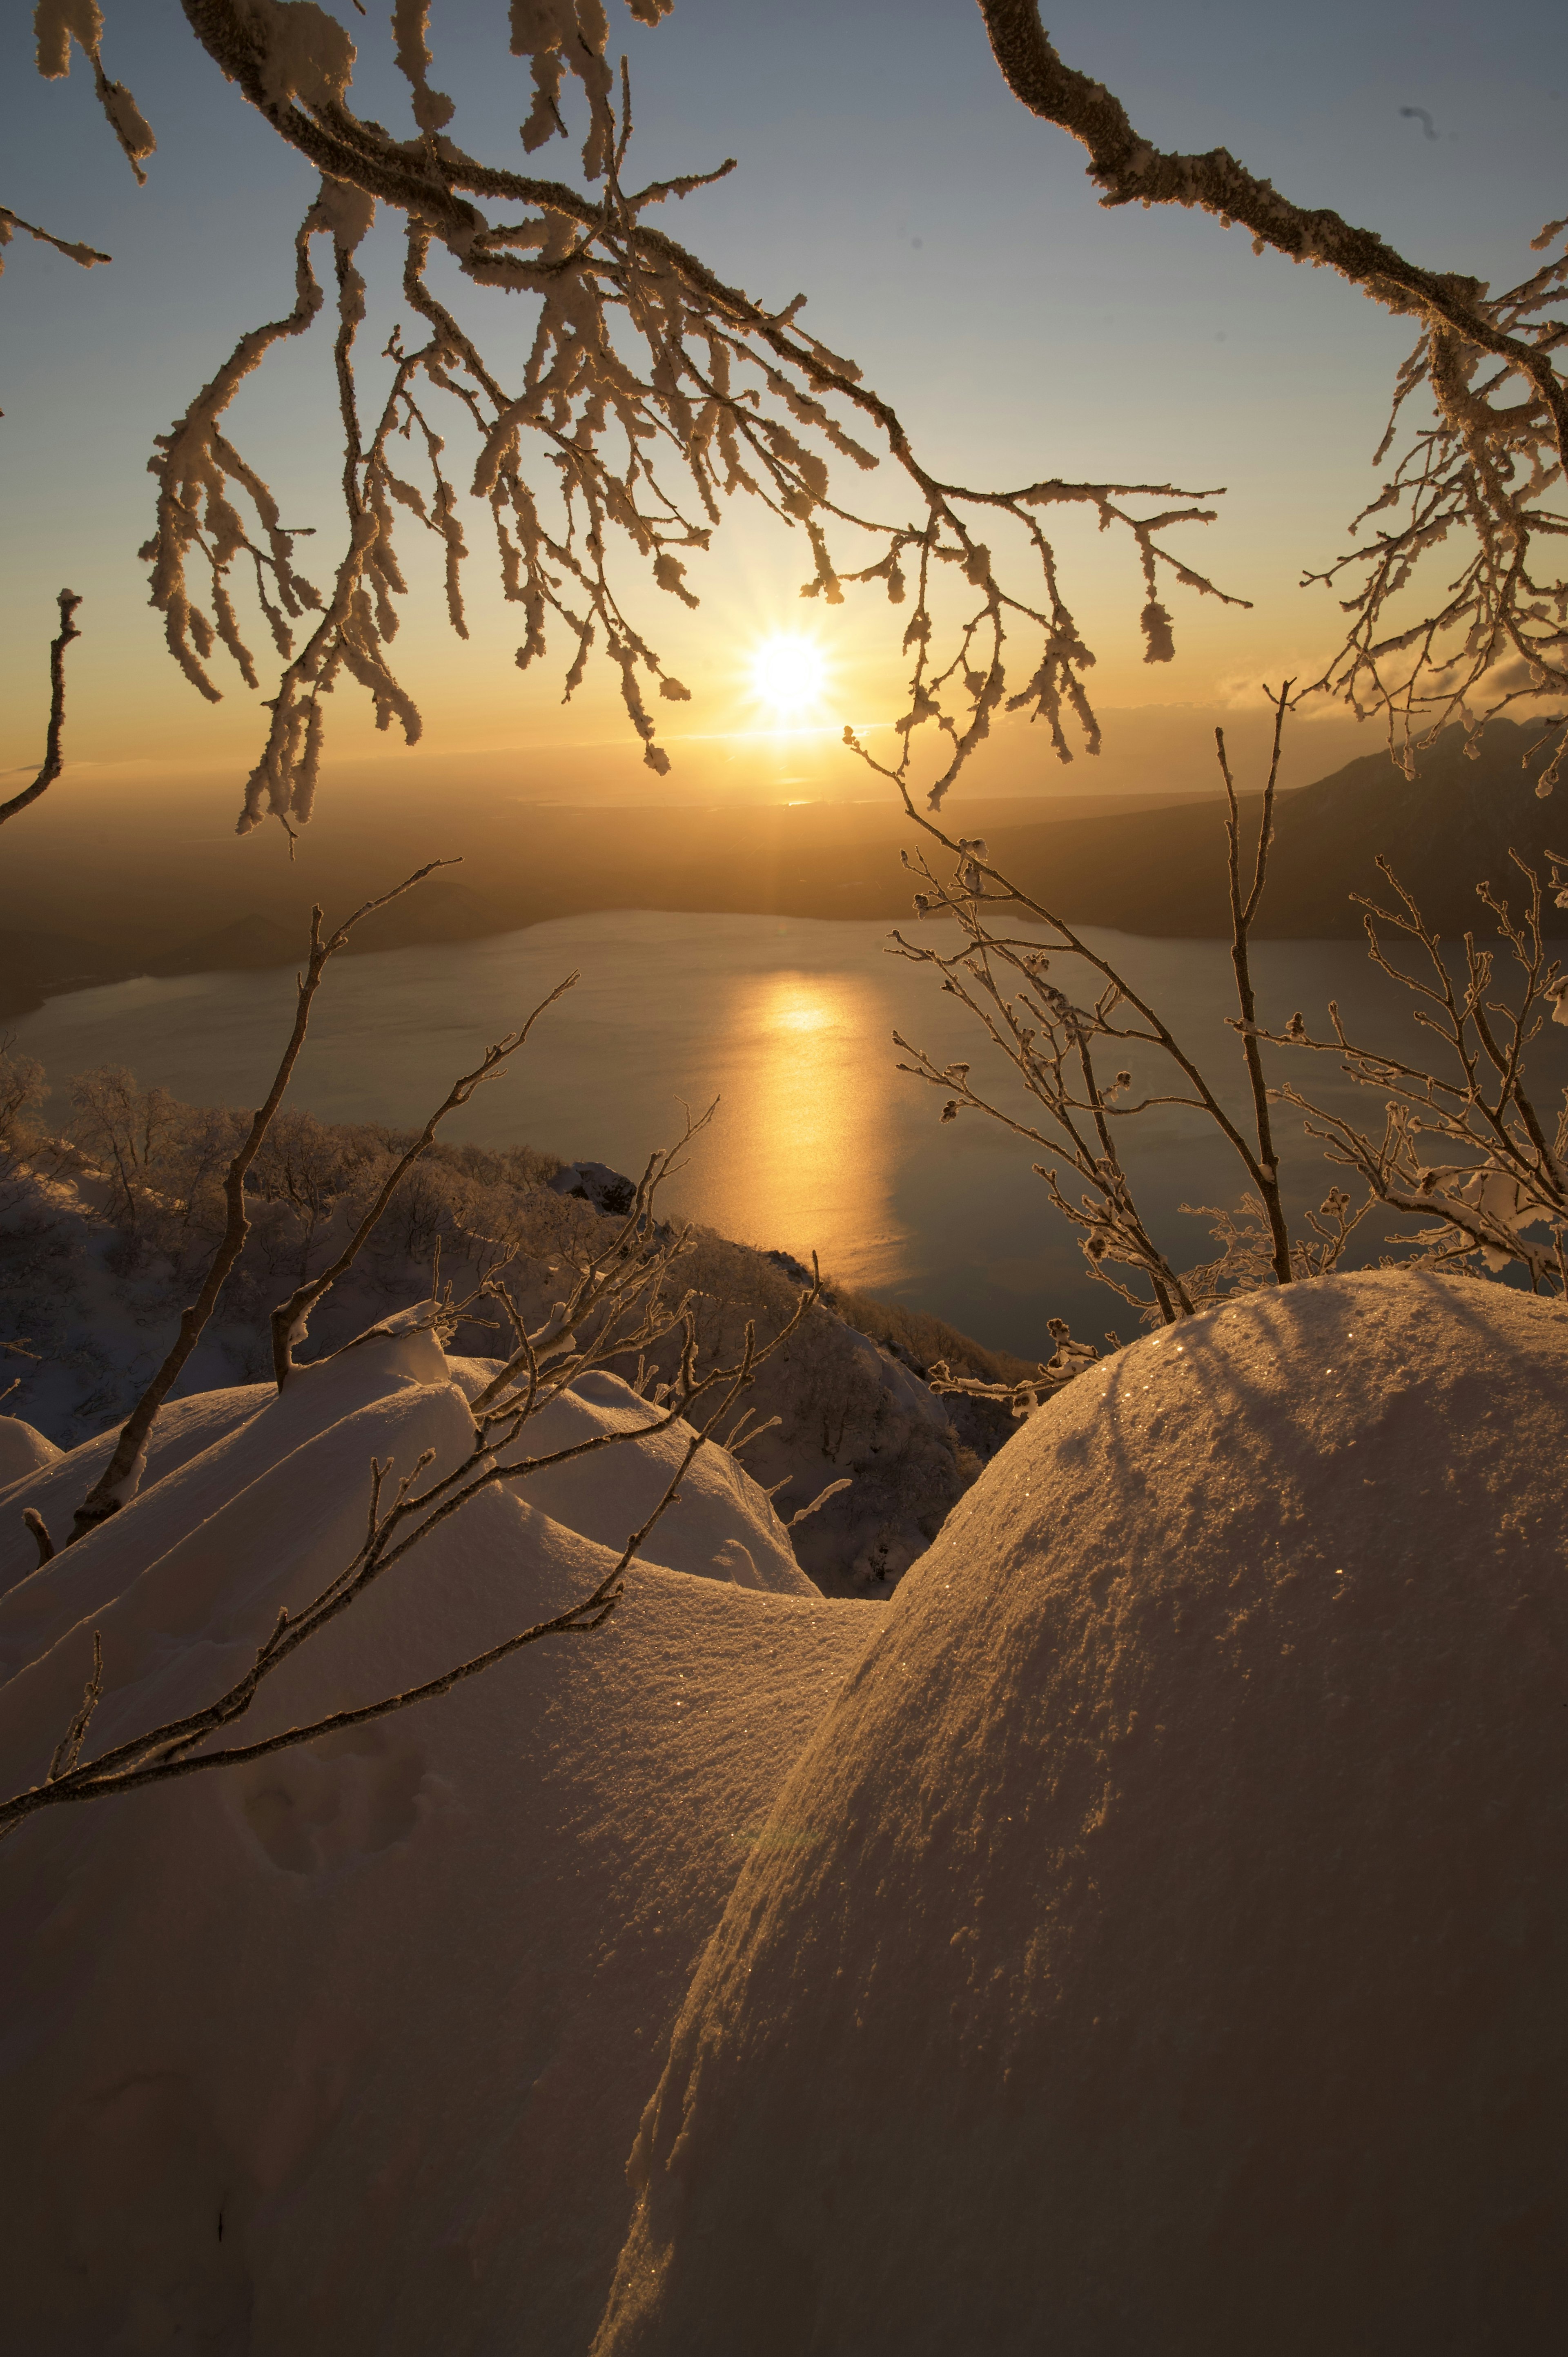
{"x": 817, "y": 1166}
{"x": 794, "y": 1009}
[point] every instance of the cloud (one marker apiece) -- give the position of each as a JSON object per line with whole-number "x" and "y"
{"x": 1246, "y": 691}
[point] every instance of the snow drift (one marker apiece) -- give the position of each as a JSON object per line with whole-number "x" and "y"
{"x": 1162, "y": 1941}
{"x": 343, "y": 2050}
{"x": 93, "y": 1277}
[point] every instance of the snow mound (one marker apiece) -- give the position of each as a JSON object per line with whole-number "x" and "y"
{"x": 23, "y": 1450}
{"x": 342, "y": 2050}
{"x": 718, "y": 1504}
{"x": 1161, "y": 1946}
{"x": 57, "y": 1483}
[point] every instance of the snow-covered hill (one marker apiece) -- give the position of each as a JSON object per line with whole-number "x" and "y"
{"x": 94, "y": 1269}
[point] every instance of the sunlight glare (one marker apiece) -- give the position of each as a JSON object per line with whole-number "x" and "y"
{"x": 789, "y": 675}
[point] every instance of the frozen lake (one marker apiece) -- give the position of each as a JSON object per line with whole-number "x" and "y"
{"x": 818, "y": 1141}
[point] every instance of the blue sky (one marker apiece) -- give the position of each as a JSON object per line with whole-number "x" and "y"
{"x": 948, "y": 241}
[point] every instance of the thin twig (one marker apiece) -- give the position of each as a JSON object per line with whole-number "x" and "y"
{"x": 121, "y": 1478}
{"x": 169, "y": 1750}
{"x": 290, "y": 1317}
{"x": 54, "y": 744}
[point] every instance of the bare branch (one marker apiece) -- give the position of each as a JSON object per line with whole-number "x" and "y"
{"x": 1467, "y": 1147}
{"x": 291, "y": 1319}
{"x": 1242, "y": 912}
{"x": 122, "y": 1476}
{"x": 54, "y": 744}
{"x": 85, "y": 256}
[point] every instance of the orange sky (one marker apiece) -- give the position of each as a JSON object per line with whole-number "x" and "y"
{"x": 944, "y": 238}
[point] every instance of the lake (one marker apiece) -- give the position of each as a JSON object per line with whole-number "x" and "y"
{"x": 818, "y": 1141}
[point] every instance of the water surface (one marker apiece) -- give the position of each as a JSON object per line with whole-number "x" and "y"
{"x": 818, "y": 1141}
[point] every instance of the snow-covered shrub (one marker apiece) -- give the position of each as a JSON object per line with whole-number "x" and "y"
{"x": 23, "y": 1088}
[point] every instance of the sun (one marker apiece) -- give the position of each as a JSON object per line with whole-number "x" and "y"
{"x": 789, "y": 675}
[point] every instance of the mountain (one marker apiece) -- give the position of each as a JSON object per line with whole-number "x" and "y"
{"x": 246, "y": 946}
{"x": 1143, "y": 864}
{"x": 37, "y": 965}
{"x": 1452, "y": 825}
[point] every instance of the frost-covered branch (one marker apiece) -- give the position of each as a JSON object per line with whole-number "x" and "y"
{"x": 1466, "y": 1144}
{"x": 1059, "y": 1049}
{"x": 54, "y": 742}
{"x": 1498, "y": 629}
{"x": 651, "y": 393}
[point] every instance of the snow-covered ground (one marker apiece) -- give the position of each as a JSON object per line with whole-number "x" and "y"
{"x": 345, "y": 2050}
{"x": 1175, "y": 1962}
{"x": 95, "y": 1298}
{"x": 1147, "y": 1931}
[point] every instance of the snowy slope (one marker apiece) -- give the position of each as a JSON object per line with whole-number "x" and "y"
{"x": 343, "y": 2051}
{"x": 23, "y": 1451}
{"x": 97, "y": 1305}
{"x": 1161, "y": 1946}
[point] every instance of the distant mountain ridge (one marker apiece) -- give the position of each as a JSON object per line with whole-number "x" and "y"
{"x": 1443, "y": 832}
{"x": 1145, "y": 864}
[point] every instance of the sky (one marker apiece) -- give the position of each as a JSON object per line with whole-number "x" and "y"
{"x": 944, "y": 238}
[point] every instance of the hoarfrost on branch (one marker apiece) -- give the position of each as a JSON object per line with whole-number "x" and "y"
{"x": 653, "y": 394}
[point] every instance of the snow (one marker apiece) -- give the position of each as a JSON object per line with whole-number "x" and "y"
{"x": 184, "y": 1429}
{"x": 1161, "y": 1943}
{"x": 718, "y": 1507}
{"x": 1148, "y": 1931}
{"x": 343, "y": 2050}
{"x": 96, "y": 1308}
{"x": 23, "y": 1451}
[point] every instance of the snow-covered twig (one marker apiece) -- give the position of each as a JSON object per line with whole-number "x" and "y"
{"x": 1477, "y": 474}
{"x": 844, "y": 1481}
{"x": 1055, "y": 1047}
{"x": 73, "y": 251}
